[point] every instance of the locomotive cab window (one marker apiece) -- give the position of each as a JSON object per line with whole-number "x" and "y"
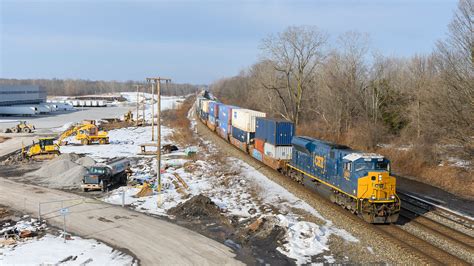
{"x": 381, "y": 166}
{"x": 361, "y": 166}
{"x": 347, "y": 166}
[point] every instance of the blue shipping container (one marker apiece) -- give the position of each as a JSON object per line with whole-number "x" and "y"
{"x": 257, "y": 155}
{"x": 225, "y": 113}
{"x": 226, "y": 128}
{"x": 277, "y": 132}
{"x": 242, "y": 136}
{"x": 213, "y": 109}
{"x": 212, "y": 119}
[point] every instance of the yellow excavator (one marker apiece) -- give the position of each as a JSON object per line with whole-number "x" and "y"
{"x": 44, "y": 149}
{"x": 87, "y": 133}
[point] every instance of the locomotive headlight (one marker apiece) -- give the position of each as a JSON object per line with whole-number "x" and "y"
{"x": 392, "y": 197}
{"x": 373, "y": 197}
{"x": 380, "y": 177}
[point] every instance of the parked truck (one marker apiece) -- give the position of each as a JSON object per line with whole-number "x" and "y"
{"x": 105, "y": 175}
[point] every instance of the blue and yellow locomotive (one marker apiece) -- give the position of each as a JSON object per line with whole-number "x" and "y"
{"x": 358, "y": 181}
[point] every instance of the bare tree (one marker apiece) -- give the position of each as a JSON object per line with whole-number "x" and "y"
{"x": 294, "y": 55}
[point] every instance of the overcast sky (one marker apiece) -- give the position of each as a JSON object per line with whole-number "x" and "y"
{"x": 192, "y": 41}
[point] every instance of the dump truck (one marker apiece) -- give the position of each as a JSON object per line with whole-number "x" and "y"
{"x": 105, "y": 175}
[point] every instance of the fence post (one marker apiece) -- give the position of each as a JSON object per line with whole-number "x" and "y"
{"x": 39, "y": 211}
{"x": 123, "y": 198}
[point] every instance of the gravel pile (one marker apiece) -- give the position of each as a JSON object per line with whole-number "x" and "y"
{"x": 86, "y": 161}
{"x": 66, "y": 171}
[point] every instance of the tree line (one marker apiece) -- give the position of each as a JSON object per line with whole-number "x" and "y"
{"x": 348, "y": 93}
{"x": 77, "y": 87}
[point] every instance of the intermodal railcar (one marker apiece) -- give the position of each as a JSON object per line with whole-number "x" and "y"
{"x": 359, "y": 182}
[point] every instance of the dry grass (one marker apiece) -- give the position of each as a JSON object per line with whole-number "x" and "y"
{"x": 413, "y": 164}
{"x": 177, "y": 119}
{"x": 3, "y": 139}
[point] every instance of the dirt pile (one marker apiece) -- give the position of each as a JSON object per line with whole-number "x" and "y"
{"x": 264, "y": 229}
{"x": 86, "y": 161}
{"x": 66, "y": 171}
{"x": 198, "y": 207}
{"x": 263, "y": 236}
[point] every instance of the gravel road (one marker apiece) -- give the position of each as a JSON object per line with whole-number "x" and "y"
{"x": 151, "y": 240}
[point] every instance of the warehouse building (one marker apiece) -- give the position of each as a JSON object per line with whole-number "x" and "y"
{"x": 26, "y": 100}
{"x": 21, "y": 94}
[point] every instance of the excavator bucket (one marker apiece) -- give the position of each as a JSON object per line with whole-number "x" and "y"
{"x": 145, "y": 191}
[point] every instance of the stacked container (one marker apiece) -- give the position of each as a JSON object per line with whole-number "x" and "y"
{"x": 244, "y": 119}
{"x": 273, "y": 139}
{"x": 225, "y": 120}
{"x": 204, "y": 112}
{"x": 213, "y": 112}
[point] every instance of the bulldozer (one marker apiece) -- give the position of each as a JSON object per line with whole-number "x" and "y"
{"x": 44, "y": 149}
{"x": 87, "y": 133}
{"x": 22, "y": 127}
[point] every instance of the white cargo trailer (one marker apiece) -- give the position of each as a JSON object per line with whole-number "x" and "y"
{"x": 245, "y": 119}
{"x": 18, "y": 110}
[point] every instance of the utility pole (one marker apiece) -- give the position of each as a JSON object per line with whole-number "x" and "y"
{"x": 153, "y": 113}
{"x": 136, "y": 118}
{"x": 157, "y": 82}
{"x": 143, "y": 108}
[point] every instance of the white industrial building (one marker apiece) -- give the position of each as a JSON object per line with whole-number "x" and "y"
{"x": 26, "y": 100}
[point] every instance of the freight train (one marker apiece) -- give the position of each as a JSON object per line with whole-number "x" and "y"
{"x": 357, "y": 181}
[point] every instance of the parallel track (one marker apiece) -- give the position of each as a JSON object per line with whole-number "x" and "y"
{"x": 426, "y": 251}
{"x": 433, "y": 254}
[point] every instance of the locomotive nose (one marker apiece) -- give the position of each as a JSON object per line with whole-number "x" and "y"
{"x": 383, "y": 185}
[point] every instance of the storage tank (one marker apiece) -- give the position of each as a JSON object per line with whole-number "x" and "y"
{"x": 244, "y": 119}
{"x": 101, "y": 103}
{"x": 88, "y": 103}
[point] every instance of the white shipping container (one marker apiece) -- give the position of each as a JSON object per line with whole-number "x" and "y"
{"x": 278, "y": 152}
{"x": 205, "y": 106}
{"x": 244, "y": 119}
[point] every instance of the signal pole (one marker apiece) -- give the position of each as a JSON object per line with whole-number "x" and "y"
{"x": 157, "y": 82}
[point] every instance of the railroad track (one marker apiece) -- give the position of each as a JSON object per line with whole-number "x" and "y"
{"x": 425, "y": 251}
{"x": 449, "y": 232}
{"x": 431, "y": 254}
{"x": 425, "y": 206}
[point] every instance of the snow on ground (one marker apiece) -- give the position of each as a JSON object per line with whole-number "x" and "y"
{"x": 51, "y": 250}
{"x": 123, "y": 142}
{"x": 48, "y": 249}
